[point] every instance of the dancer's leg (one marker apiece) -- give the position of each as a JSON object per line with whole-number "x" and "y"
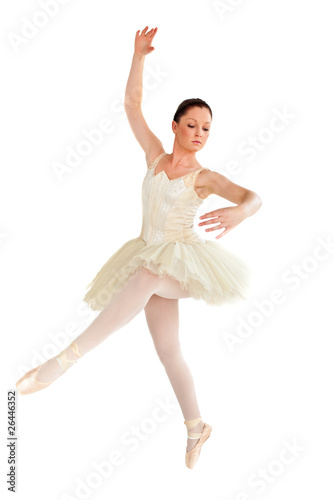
{"x": 122, "y": 308}
{"x": 162, "y": 317}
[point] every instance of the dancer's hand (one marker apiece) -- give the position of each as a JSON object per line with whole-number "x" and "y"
{"x": 227, "y": 217}
{"x": 143, "y": 42}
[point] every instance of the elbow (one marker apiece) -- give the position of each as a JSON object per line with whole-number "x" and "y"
{"x": 258, "y": 200}
{"x": 253, "y": 202}
{"x": 131, "y": 103}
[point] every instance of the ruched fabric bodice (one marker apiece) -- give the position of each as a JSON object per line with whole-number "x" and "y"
{"x": 169, "y": 206}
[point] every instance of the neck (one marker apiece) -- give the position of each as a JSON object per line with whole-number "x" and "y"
{"x": 181, "y": 157}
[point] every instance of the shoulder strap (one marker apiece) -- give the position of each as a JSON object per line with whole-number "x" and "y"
{"x": 155, "y": 162}
{"x": 190, "y": 179}
{"x": 196, "y": 173}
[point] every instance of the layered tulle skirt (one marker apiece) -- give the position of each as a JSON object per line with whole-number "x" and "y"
{"x": 205, "y": 269}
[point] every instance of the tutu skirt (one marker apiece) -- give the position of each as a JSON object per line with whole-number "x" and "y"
{"x": 205, "y": 269}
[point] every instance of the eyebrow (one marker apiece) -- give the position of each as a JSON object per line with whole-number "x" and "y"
{"x": 195, "y": 120}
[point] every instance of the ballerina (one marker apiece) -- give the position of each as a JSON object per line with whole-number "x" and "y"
{"x": 168, "y": 261}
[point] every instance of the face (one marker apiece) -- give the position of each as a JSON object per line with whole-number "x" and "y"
{"x": 193, "y": 126}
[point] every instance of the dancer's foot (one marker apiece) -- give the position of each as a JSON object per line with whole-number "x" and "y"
{"x": 43, "y": 375}
{"x": 192, "y": 442}
{"x": 52, "y": 369}
{"x": 193, "y": 452}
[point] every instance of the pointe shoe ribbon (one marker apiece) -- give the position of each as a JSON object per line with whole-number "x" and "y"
{"x": 29, "y": 383}
{"x": 62, "y": 359}
{"x": 191, "y": 457}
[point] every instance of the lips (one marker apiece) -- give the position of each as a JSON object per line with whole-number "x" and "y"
{"x": 196, "y": 142}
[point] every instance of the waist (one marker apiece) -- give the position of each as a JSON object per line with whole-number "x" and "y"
{"x": 183, "y": 234}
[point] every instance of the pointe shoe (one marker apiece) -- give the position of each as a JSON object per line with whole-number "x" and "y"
{"x": 192, "y": 456}
{"x": 29, "y": 383}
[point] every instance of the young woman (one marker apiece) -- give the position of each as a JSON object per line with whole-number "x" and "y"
{"x": 168, "y": 261}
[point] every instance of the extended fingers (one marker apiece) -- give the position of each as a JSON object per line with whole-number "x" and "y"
{"x": 152, "y": 32}
{"x": 144, "y": 32}
{"x": 223, "y": 233}
{"x": 209, "y": 214}
{"x": 211, "y": 221}
{"x": 215, "y": 228}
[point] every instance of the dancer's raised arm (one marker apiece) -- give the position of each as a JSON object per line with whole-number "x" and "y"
{"x": 151, "y": 145}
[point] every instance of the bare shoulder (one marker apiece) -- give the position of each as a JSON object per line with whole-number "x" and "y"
{"x": 208, "y": 177}
{"x": 205, "y": 182}
{"x": 203, "y": 176}
{"x": 202, "y": 182}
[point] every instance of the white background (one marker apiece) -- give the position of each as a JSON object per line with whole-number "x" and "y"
{"x": 247, "y": 59}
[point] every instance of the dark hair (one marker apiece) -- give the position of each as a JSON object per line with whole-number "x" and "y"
{"x": 190, "y": 103}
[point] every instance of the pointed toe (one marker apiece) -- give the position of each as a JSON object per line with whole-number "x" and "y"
{"x": 29, "y": 383}
{"x": 191, "y": 457}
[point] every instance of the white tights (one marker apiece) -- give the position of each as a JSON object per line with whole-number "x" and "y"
{"x": 159, "y": 299}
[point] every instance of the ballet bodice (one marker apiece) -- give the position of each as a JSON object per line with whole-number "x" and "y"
{"x": 169, "y": 206}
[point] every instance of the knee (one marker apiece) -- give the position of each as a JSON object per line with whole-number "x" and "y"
{"x": 168, "y": 354}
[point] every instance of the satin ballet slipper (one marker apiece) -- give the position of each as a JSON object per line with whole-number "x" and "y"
{"x": 192, "y": 456}
{"x": 29, "y": 383}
